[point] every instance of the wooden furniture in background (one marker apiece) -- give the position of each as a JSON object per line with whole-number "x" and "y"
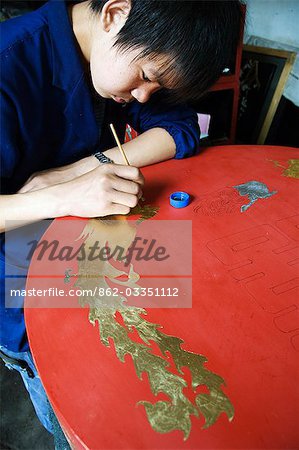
{"x": 264, "y": 72}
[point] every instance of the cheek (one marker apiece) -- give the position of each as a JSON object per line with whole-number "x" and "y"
{"x": 111, "y": 76}
{"x": 100, "y": 74}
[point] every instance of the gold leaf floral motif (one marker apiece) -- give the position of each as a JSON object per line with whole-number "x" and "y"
{"x": 292, "y": 171}
{"x": 145, "y": 212}
{"x": 164, "y": 416}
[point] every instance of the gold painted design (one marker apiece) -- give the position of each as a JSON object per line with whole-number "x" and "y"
{"x": 145, "y": 212}
{"x": 117, "y": 321}
{"x": 292, "y": 171}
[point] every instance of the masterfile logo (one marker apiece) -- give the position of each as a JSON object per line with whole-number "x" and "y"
{"x": 67, "y": 263}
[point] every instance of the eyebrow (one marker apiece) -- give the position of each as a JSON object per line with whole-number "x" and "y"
{"x": 156, "y": 74}
{"x": 160, "y": 77}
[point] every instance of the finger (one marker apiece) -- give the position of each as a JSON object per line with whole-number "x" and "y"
{"x": 123, "y": 198}
{"x": 30, "y": 187}
{"x": 116, "y": 208}
{"x": 127, "y": 186}
{"x": 24, "y": 189}
{"x": 128, "y": 172}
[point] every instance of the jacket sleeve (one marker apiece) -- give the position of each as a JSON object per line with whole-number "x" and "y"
{"x": 180, "y": 121}
{"x": 9, "y": 154}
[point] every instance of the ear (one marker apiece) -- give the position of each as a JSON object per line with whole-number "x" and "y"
{"x": 114, "y": 14}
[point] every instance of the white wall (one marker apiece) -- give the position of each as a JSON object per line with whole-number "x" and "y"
{"x": 277, "y": 20}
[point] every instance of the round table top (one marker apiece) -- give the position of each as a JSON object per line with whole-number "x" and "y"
{"x": 221, "y": 373}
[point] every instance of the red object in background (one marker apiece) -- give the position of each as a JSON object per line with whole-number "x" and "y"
{"x": 130, "y": 133}
{"x": 231, "y": 82}
{"x": 244, "y": 317}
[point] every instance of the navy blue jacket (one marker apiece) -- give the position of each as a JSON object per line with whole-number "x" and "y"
{"x": 47, "y": 115}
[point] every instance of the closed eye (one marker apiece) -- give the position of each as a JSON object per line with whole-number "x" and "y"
{"x": 145, "y": 78}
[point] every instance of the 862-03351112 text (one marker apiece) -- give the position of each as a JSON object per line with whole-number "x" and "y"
{"x": 98, "y": 291}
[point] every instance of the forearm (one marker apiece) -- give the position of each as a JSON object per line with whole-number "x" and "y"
{"x": 150, "y": 147}
{"x": 47, "y": 178}
{"x": 20, "y": 209}
{"x": 109, "y": 189}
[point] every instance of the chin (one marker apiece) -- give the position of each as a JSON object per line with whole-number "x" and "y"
{"x": 102, "y": 93}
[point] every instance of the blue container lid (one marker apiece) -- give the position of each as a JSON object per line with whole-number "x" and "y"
{"x": 179, "y": 199}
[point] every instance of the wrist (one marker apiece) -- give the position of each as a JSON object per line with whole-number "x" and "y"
{"x": 37, "y": 205}
{"x": 87, "y": 164}
{"x": 58, "y": 200}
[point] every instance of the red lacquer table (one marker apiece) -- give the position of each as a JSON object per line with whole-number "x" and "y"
{"x": 244, "y": 315}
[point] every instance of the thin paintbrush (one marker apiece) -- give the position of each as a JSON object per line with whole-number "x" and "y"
{"x": 121, "y": 149}
{"x": 119, "y": 144}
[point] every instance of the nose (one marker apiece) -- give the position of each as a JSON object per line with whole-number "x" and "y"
{"x": 143, "y": 93}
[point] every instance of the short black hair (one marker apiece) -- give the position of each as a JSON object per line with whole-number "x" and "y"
{"x": 198, "y": 37}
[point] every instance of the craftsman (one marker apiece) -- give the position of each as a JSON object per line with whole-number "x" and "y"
{"x": 67, "y": 71}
